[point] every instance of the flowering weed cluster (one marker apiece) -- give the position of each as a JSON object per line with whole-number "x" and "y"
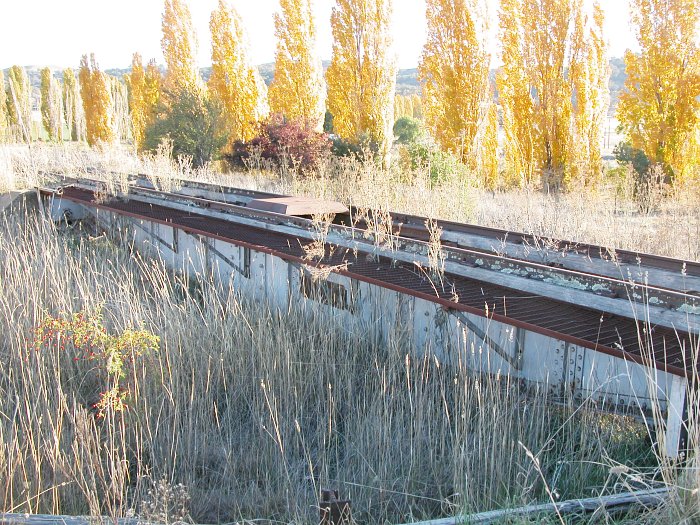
{"x": 84, "y": 335}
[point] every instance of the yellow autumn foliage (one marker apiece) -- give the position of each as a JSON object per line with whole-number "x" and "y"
{"x": 658, "y": 109}
{"x": 454, "y": 70}
{"x": 553, "y": 91}
{"x": 403, "y": 106}
{"x": 590, "y": 74}
{"x": 487, "y": 156}
{"x": 362, "y": 75}
{"x": 51, "y": 114}
{"x": 97, "y": 102}
{"x": 298, "y": 90}
{"x": 73, "y": 112}
{"x": 144, "y": 97}
{"x": 19, "y": 104}
{"x": 234, "y": 80}
{"x": 179, "y": 44}
{"x": 4, "y": 117}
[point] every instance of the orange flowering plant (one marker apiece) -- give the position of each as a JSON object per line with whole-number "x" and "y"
{"x": 85, "y": 336}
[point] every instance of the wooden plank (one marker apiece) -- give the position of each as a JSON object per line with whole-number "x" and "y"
{"x": 297, "y": 206}
{"x": 628, "y": 500}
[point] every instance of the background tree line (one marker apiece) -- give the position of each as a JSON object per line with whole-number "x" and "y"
{"x": 549, "y": 99}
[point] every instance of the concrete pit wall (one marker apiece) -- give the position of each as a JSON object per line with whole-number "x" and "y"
{"x": 485, "y": 345}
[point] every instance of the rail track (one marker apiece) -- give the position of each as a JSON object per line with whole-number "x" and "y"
{"x": 621, "y": 328}
{"x": 654, "y": 288}
{"x": 577, "y": 289}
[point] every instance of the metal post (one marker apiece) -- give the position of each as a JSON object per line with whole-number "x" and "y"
{"x": 675, "y": 424}
{"x": 332, "y": 510}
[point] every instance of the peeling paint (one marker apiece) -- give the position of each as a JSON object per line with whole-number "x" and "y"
{"x": 558, "y": 281}
{"x": 689, "y": 309}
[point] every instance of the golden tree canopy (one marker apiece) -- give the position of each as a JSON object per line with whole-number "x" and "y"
{"x": 97, "y": 102}
{"x": 19, "y": 103}
{"x": 179, "y": 44}
{"x": 234, "y": 80}
{"x": 73, "y": 106}
{"x": 454, "y": 70}
{"x": 144, "y": 95}
{"x": 51, "y": 114}
{"x": 298, "y": 90}
{"x": 590, "y": 75}
{"x": 658, "y": 109}
{"x": 362, "y": 76}
{"x": 553, "y": 90}
{"x": 4, "y": 117}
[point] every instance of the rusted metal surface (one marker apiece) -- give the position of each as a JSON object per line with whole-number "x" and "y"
{"x": 297, "y": 206}
{"x": 334, "y": 511}
{"x": 667, "y": 307}
{"x": 413, "y": 226}
{"x": 666, "y": 349}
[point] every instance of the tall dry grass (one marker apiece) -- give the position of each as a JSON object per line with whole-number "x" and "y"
{"x": 248, "y": 411}
{"x": 607, "y": 215}
{"x": 252, "y": 410}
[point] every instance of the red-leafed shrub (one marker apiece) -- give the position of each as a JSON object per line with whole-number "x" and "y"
{"x": 287, "y": 144}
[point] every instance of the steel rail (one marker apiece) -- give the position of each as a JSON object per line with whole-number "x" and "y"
{"x": 600, "y": 285}
{"x": 382, "y": 272}
{"x": 414, "y": 225}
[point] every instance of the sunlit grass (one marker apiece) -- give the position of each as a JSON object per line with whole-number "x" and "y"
{"x": 251, "y": 410}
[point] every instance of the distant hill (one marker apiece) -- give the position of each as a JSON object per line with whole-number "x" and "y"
{"x": 406, "y": 79}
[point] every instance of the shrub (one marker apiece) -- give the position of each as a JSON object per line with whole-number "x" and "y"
{"x": 423, "y": 155}
{"x": 84, "y": 336}
{"x": 194, "y": 124}
{"x": 287, "y": 144}
{"x": 650, "y": 180}
{"x": 364, "y": 150}
{"x": 627, "y": 155}
{"x": 407, "y": 130}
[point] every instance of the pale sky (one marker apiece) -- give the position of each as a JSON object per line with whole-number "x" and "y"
{"x": 56, "y": 33}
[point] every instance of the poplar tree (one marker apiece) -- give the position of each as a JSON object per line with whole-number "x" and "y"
{"x": 121, "y": 121}
{"x": 19, "y": 103}
{"x": 144, "y": 95}
{"x": 514, "y": 96}
{"x": 97, "y": 102}
{"x": 454, "y": 70}
{"x": 362, "y": 76}
{"x": 179, "y": 44}
{"x": 403, "y": 106}
{"x": 417, "y": 105}
{"x": 547, "y": 29}
{"x": 152, "y": 89}
{"x": 73, "y": 111}
{"x": 658, "y": 109}
{"x": 137, "y": 108}
{"x": 4, "y": 117}
{"x": 590, "y": 74}
{"x": 234, "y": 80}
{"x": 298, "y": 90}
{"x": 487, "y": 158}
{"x": 51, "y": 116}
{"x": 547, "y": 88}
